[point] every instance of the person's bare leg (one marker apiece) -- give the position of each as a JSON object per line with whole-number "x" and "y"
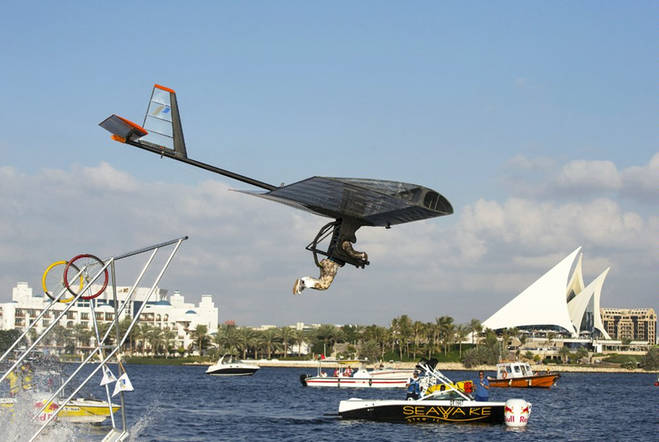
{"x": 328, "y": 270}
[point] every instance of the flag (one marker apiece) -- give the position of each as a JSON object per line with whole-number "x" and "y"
{"x": 123, "y": 384}
{"x": 108, "y": 376}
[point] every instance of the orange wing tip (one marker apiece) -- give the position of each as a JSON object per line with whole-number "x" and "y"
{"x": 118, "y": 138}
{"x": 164, "y": 88}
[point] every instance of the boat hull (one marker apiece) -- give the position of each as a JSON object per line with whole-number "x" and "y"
{"x": 232, "y": 371}
{"x": 76, "y": 411}
{"x": 351, "y": 382}
{"x": 535, "y": 381}
{"x": 440, "y": 411}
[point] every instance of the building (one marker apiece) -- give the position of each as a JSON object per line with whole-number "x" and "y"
{"x": 162, "y": 311}
{"x": 639, "y": 324}
{"x": 558, "y": 300}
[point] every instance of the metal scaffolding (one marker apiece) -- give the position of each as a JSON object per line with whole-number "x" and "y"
{"x": 105, "y": 350}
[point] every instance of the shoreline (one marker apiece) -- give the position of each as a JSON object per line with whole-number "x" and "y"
{"x": 441, "y": 366}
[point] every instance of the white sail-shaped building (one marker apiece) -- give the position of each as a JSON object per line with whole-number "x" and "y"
{"x": 543, "y": 303}
{"x": 556, "y": 299}
{"x": 585, "y": 307}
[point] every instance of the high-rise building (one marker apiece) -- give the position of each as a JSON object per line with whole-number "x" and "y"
{"x": 635, "y": 324}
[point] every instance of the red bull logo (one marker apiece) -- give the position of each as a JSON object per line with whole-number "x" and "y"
{"x": 516, "y": 412}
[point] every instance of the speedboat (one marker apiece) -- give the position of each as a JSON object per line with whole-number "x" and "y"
{"x": 449, "y": 405}
{"x": 361, "y": 378}
{"x": 227, "y": 366}
{"x": 520, "y": 375}
{"x": 79, "y": 410}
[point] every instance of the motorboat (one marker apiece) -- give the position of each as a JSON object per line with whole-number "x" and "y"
{"x": 360, "y": 378}
{"x": 79, "y": 410}
{"x": 449, "y": 405}
{"x": 228, "y": 366}
{"x": 521, "y": 375}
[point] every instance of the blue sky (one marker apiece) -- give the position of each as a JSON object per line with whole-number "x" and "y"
{"x": 551, "y": 104}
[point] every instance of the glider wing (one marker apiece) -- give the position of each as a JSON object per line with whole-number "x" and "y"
{"x": 371, "y": 202}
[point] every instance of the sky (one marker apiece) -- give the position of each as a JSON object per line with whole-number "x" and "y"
{"x": 536, "y": 120}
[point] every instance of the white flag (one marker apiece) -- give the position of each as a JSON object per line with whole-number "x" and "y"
{"x": 108, "y": 376}
{"x": 123, "y": 384}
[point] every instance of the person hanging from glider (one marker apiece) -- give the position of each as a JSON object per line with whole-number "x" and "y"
{"x": 338, "y": 254}
{"x": 351, "y": 202}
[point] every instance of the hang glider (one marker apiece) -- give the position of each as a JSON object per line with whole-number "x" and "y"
{"x": 351, "y": 202}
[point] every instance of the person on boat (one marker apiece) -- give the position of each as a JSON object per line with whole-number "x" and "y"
{"x": 413, "y": 387}
{"x": 329, "y": 268}
{"x": 323, "y": 374}
{"x": 347, "y": 372}
{"x": 26, "y": 376}
{"x": 482, "y": 388}
{"x": 14, "y": 386}
{"x": 337, "y": 372}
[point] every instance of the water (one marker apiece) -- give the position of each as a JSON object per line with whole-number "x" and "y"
{"x": 172, "y": 403}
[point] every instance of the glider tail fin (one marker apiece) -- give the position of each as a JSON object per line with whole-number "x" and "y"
{"x": 163, "y": 121}
{"x": 161, "y": 128}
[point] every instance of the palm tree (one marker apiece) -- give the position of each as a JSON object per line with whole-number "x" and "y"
{"x": 141, "y": 334}
{"x": 155, "y": 339}
{"x": 245, "y": 338}
{"x": 227, "y": 338}
{"x": 446, "y": 331}
{"x": 60, "y": 335}
{"x": 476, "y": 329}
{"x": 461, "y": 332}
{"x": 168, "y": 336}
{"x": 328, "y": 335}
{"x": 405, "y": 326}
{"x": 418, "y": 332}
{"x": 285, "y": 334}
{"x": 81, "y": 334}
{"x": 268, "y": 338}
{"x": 199, "y": 336}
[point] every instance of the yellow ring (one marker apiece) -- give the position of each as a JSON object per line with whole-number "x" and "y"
{"x": 43, "y": 280}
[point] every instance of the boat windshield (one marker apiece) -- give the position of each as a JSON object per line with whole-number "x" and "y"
{"x": 443, "y": 395}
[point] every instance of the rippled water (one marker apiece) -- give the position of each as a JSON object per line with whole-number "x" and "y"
{"x": 182, "y": 403}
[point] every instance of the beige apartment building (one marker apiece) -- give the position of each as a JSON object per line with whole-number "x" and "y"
{"x": 635, "y": 324}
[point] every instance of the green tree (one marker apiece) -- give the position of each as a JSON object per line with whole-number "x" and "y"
{"x": 650, "y": 360}
{"x": 269, "y": 339}
{"x": 327, "y": 334}
{"x": 446, "y": 331}
{"x": 7, "y": 338}
{"x": 370, "y": 350}
{"x": 200, "y": 337}
{"x": 461, "y": 332}
{"x": 286, "y": 335}
{"x": 476, "y": 329}
{"x": 488, "y": 353}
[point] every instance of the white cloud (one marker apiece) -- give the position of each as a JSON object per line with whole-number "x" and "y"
{"x": 247, "y": 251}
{"x": 540, "y": 178}
{"x": 580, "y": 176}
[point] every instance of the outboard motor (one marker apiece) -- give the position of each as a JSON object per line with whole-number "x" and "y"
{"x": 517, "y": 412}
{"x": 303, "y": 380}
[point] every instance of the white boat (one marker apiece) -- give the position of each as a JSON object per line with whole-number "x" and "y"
{"x": 227, "y": 366}
{"x": 361, "y": 378}
{"x": 449, "y": 405}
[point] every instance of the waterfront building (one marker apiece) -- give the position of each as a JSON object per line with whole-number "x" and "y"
{"x": 163, "y": 311}
{"x": 558, "y": 300}
{"x": 638, "y": 324}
